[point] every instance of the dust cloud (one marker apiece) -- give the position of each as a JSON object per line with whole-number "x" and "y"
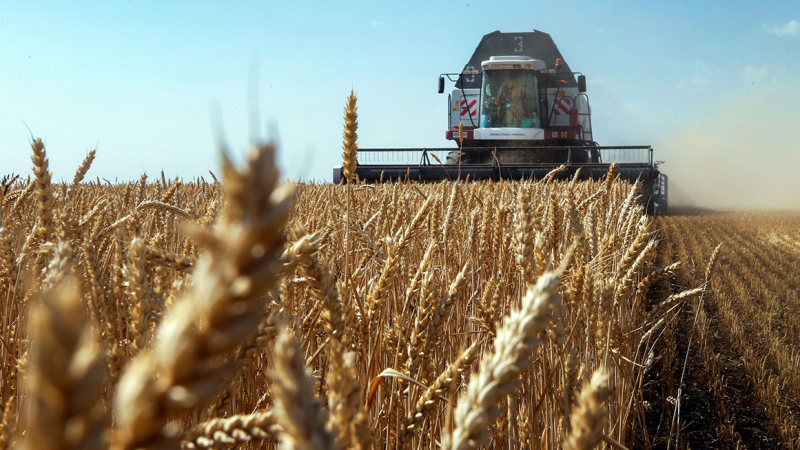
{"x": 743, "y": 154}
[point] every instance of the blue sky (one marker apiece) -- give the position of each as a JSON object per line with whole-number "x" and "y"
{"x": 143, "y": 80}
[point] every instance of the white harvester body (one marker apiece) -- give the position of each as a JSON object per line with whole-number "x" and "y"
{"x": 567, "y": 110}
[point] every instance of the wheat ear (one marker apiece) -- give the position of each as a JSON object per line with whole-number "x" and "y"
{"x": 589, "y": 419}
{"x": 8, "y": 267}
{"x": 350, "y": 138}
{"x": 439, "y": 388}
{"x": 656, "y": 276}
{"x": 674, "y": 299}
{"x": 185, "y": 369}
{"x": 133, "y": 271}
{"x": 84, "y": 167}
{"x": 711, "y": 263}
{"x": 231, "y": 431}
{"x": 500, "y": 370}
{"x": 44, "y": 191}
{"x": 612, "y": 173}
{"x": 161, "y": 257}
{"x": 66, "y": 376}
{"x": 300, "y": 414}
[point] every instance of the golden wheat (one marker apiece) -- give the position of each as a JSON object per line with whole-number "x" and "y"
{"x": 381, "y": 297}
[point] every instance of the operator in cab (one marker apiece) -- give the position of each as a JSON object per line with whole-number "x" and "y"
{"x": 512, "y": 102}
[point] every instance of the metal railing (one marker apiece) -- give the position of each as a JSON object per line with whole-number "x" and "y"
{"x": 626, "y": 155}
{"x": 403, "y": 156}
{"x": 623, "y": 155}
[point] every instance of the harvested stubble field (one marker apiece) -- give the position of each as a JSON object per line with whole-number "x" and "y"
{"x": 742, "y": 382}
{"x": 498, "y": 315}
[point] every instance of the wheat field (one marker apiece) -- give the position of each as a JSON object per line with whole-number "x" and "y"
{"x": 247, "y": 311}
{"x": 244, "y": 311}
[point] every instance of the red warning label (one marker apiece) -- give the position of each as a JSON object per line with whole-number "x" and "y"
{"x": 562, "y": 106}
{"x": 469, "y": 109}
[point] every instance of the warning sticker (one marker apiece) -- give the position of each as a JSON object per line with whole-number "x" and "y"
{"x": 471, "y": 108}
{"x": 562, "y": 106}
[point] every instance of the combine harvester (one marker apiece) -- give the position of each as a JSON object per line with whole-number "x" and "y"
{"x": 517, "y": 111}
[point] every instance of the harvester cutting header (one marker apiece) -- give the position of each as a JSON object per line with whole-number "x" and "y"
{"x": 517, "y": 111}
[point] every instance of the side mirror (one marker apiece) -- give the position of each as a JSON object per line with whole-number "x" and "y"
{"x": 441, "y": 84}
{"x": 582, "y": 83}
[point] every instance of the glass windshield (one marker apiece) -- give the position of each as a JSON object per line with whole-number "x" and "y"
{"x": 510, "y": 99}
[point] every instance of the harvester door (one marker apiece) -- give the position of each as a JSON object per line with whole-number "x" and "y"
{"x": 465, "y": 107}
{"x": 560, "y": 103}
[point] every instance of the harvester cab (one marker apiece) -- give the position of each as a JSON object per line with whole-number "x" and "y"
{"x": 517, "y": 111}
{"x": 519, "y": 102}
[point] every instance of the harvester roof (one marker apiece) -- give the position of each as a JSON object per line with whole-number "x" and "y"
{"x": 536, "y": 45}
